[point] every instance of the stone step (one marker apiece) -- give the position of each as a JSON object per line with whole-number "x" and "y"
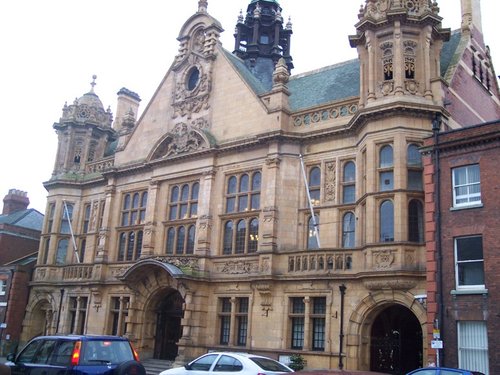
{"x": 155, "y": 366}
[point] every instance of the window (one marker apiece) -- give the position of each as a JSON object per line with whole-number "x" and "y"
{"x": 466, "y": 186}
{"x": 181, "y": 239}
{"x": 242, "y": 240}
{"x": 50, "y": 217}
{"x": 469, "y": 262}
{"x": 415, "y": 221}
{"x": 386, "y": 172}
{"x": 134, "y": 208}
{"x": 240, "y": 318}
{"x": 243, "y": 192}
{"x": 349, "y": 183}
{"x": 473, "y": 346}
{"x": 184, "y": 201}
{"x": 77, "y": 313}
{"x": 67, "y": 216}
{"x": 81, "y": 250}
{"x": 3, "y": 287}
{"x": 46, "y": 247}
{"x": 119, "y": 314}
{"x": 348, "y": 230}
{"x": 228, "y": 363}
{"x": 86, "y": 218}
{"x": 297, "y": 312}
{"x": 62, "y": 251}
{"x": 387, "y": 56}
{"x": 130, "y": 245}
{"x": 313, "y": 232}
{"x": 314, "y": 184}
{"x": 415, "y": 169}
{"x": 318, "y": 323}
{"x": 387, "y": 221}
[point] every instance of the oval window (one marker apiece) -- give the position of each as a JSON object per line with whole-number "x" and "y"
{"x": 193, "y": 79}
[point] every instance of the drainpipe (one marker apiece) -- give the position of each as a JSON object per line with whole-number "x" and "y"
{"x": 342, "y": 289}
{"x": 436, "y": 125}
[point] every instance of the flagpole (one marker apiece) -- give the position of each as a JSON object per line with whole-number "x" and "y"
{"x": 313, "y": 217}
{"x": 75, "y": 248}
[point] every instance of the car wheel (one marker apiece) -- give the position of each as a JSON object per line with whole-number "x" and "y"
{"x": 130, "y": 368}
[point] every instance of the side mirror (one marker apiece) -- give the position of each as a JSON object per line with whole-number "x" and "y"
{"x": 11, "y": 357}
{"x": 187, "y": 366}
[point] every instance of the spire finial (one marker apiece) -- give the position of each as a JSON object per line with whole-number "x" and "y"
{"x": 93, "y": 83}
{"x": 202, "y": 6}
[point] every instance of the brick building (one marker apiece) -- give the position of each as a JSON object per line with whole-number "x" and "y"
{"x": 462, "y": 183}
{"x": 20, "y": 229}
{"x": 193, "y": 226}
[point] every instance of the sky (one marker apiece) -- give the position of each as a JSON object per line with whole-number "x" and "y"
{"x": 50, "y": 49}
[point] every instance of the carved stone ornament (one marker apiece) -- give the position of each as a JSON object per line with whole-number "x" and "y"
{"x": 182, "y": 139}
{"x": 378, "y": 9}
{"x": 411, "y": 86}
{"x": 330, "y": 180}
{"x": 389, "y": 284}
{"x": 238, "y": 267}
{"x": 383, "y": 259}
{"x": 192, "y": 88}
{"x": 387, "y": 87}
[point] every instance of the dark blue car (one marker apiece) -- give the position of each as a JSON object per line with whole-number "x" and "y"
{"x": 76, "y": 355}
{"x": 443, "y": 371}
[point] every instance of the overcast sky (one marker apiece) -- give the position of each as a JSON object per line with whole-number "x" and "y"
{"x": 51, "y": 48}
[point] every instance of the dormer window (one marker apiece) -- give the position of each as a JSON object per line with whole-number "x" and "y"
{"x": 264, "y": 39}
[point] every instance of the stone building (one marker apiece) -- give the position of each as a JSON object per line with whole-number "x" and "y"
{"x": 193, "y": 228}
{"x": 461, "y": 166}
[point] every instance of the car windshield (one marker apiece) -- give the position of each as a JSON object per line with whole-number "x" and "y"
{"x": 267, "y": 364}
{"x": 98, "y": 352}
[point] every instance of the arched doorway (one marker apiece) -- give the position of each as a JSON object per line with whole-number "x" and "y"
{"x": 396, "y": 341}
{"x": 168, "y": 326}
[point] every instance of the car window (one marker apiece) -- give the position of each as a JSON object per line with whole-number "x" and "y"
{"x": 268, "y": 364}
{"x": 228, "y": 363}
{"x": 425, "y": 372}
{"x": 451, "y": 372}
{"x": 98, "y": 352}
{"x": 62, "y": 354}
{"x": 29, "y": 352}
{"x": 204, "y": 363}
{"x": 44, "y": 351}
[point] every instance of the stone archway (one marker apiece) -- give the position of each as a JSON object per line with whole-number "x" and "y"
{"x": 41, "y": 316}
{"x": 373, "y": 311}
{"x": 396, "y": 341}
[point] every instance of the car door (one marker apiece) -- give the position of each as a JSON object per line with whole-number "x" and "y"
{"x": 24, "y": 363}
{"x": 202, "y": 365}
{"x": 227, "y": 365}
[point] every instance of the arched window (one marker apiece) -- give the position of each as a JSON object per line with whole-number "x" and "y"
{"x": 312, "y": 241}
{"x": 227, "y": 246}
{"x": 415, "y": 221}
{"x": 387, "y": 221}
{"x": 183, "y": 201}
{"x": 67, "y": 216}
{"x": 170, "y": 240}
{"x": 134, "y": 209}
{"x": 415, "y": 169}
{"x": 349, "y": 183}
{"x": 315, "y": 185}
{"x": 243, "y": 192}
{"x": 253, "y": 236}
{"x": 348, "y": 230}
{"x": 240, "y": 237}
{"x": 181, "y": 236}
{"x": 386, "y": 171}
{"x": 190, "y": 239}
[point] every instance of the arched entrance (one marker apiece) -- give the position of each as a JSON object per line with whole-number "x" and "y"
{"x": 168, "y": 326}
{"x": 396, "y": 341}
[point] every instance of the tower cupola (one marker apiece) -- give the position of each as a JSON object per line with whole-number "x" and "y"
{"x": 261, "y": 37}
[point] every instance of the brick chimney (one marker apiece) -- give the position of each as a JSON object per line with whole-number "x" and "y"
{"x": 16, "y": 200}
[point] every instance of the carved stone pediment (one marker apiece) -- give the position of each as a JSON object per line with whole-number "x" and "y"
{"x": 182, "y": 139}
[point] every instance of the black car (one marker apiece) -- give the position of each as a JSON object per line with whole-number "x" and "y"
{"x": 76, "y": 355}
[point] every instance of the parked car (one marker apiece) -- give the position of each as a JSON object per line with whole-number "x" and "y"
{"x": 338, "y": 372}
{"x": 443, "y": 371}
{"x": 220, "y": 363}
{"x": 76, "y": 355}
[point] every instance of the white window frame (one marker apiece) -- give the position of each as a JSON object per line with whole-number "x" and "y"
{"x": 471, "y": 198}
{"x": 457, "y": 262}
{"x": 472, "y": 344}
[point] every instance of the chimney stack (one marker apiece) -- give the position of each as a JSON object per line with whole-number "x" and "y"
{"x": 14, "y": 201}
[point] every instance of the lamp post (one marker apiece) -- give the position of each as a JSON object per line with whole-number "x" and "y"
{"x": 342, "y": 289}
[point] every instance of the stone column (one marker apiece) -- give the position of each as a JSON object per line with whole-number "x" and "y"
{"x": 148, "y": 242}
{"x": 103, "y": 242}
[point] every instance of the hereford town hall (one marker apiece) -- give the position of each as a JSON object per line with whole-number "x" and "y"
{"x": 250, "y": 209}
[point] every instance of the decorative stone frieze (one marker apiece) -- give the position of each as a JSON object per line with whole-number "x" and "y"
{"x": 327, "y": 114}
